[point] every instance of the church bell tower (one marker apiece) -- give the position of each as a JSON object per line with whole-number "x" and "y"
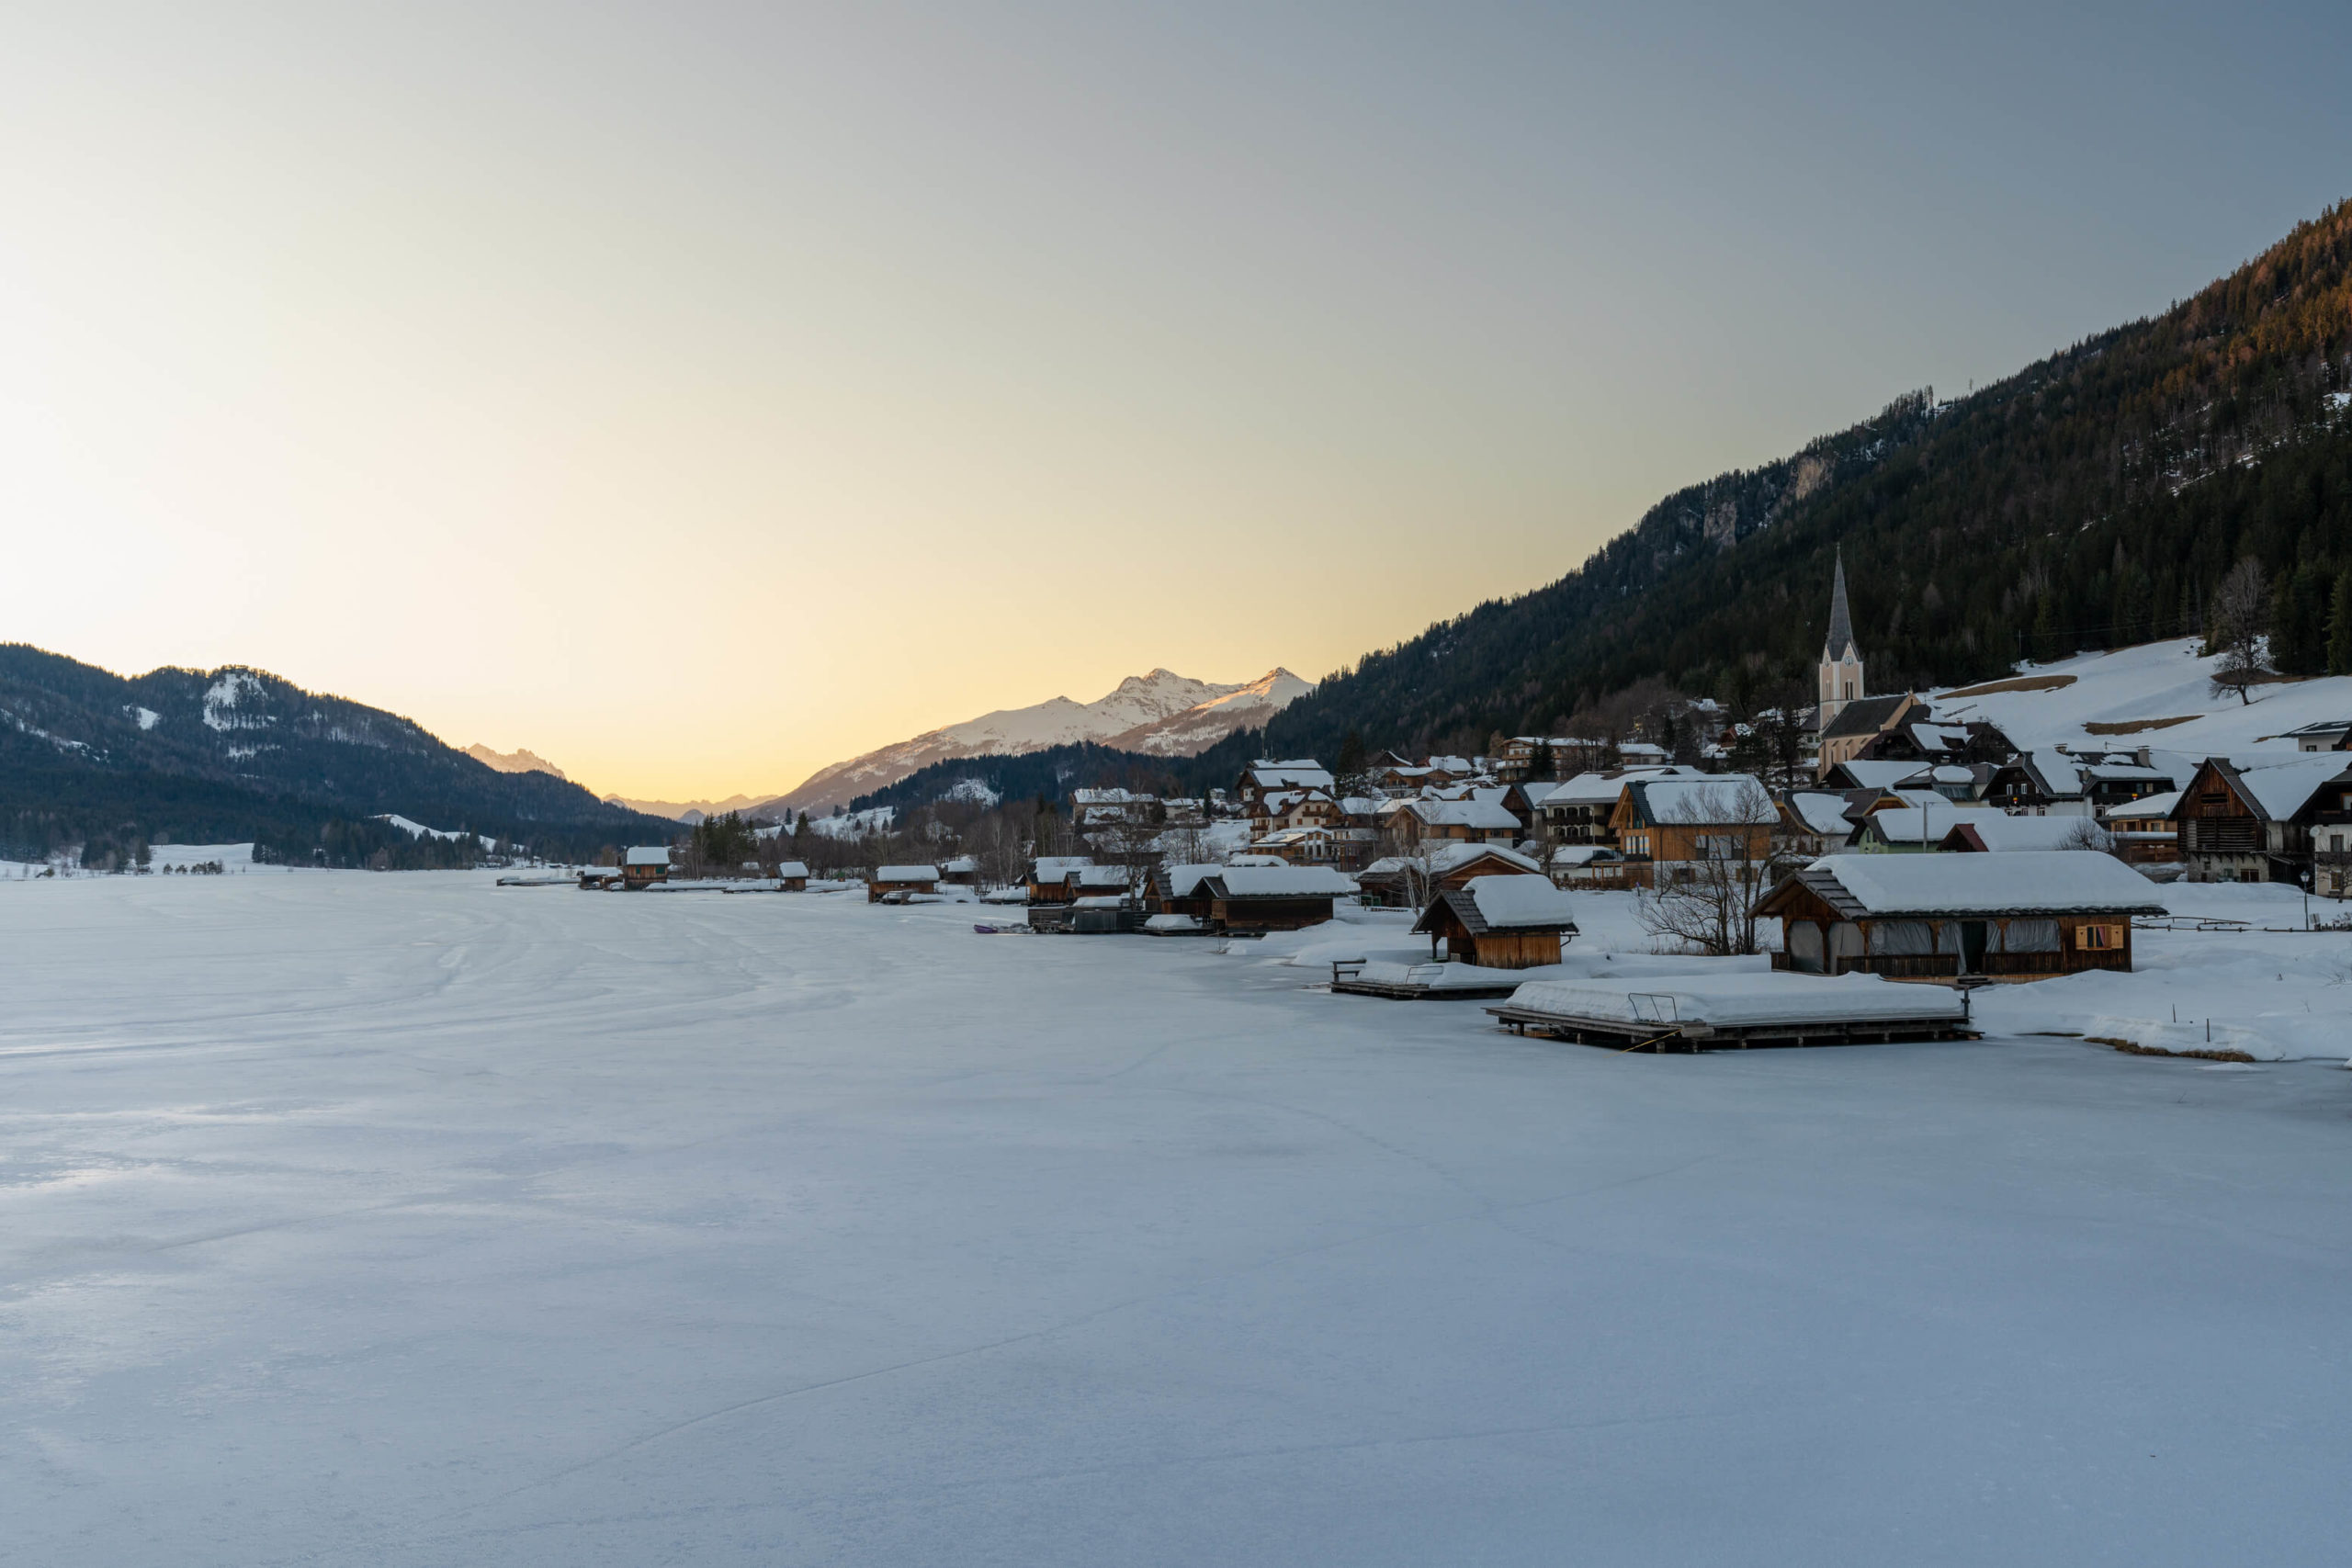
{"x": 1841, "y": 661}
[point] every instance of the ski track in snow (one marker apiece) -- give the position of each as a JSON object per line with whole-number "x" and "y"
{"x": 408, "y": 1220}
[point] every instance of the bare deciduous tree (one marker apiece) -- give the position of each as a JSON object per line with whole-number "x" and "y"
{"x": 1709, "y": 903}
{"x": 2241, "y": 610}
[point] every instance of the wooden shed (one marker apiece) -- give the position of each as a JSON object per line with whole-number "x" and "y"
{"x": 901, "y": 880}
{"x": 962, "y": 871}
{"x": 1248, "y": 899}
{"x": 2021, "y": 915}
{"x": 1049, "y": 876}
{"x": 1500, "y": 922}
{"x": 792, "y": 876}
{"x": 644, "y": 865}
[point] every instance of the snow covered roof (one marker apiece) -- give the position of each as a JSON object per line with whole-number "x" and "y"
{"x": 1582, "y": 854}
{"x": 1873, "y": 774}
{"x": 2028, "y": 882}
{"x": 907, "y": 874}
{"x": 2285, "y": 788}
{"x": 1906, "y": 824}
{"x": 1708, "y": 798}
{"x": 647, "y": 854}
{"x": 963, "y": 863}
{"x": 1512, "y": 903}
{"x": 2004, "y": 834}
{"x": 1602, "y": 789}
{"x": 1102, "y": 876}
{"x": 791, "y": 868}
{"x": 2147, "y": 805}
{"x": 1055, "y": 868}
{"x": 1304, "y": 773}
{"x": 1739, "y": 999}
{"x": 2059, "y": 773}
{"x": 1821, "y": 812}
{"x": 1280, "y": 882}
{"x": 1183, "y": 879}
{"x": 1451, "y": 858}
{"x": 1473, "y": 814}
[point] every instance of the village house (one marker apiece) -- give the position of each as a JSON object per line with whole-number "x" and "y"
{"x": 961, "y": 871}
{"x": 1595, "y": 868}
{"x": 2059, "y": 781}
{"x": 2142, "y": 829}
{"x": 1262, "y": 777}
{"x": 1500, "y": 922}
{"x": 1299, "y": 846}
{"x": 2251, "y": 824}
{"x": 1578, "y": 812}
{"x": 1419, "y": 823}
{"x": 1277, "y": 810}
{"x": 1542, "y": 758}
{"x": 2330, "y": 814}
{"x": 2005, "y": 916}
{"x": 1668, "y": 825}
{"x": 1920, "y": 737}
{"x": 1812, "y": 823}
{"x": 1404, "y": 882}
{"x": 901, "y": 881}
{"x": 2328, "y": 734}
{"x": 792, "y": 876}
{"x": 645, "y": 866}
{"x": 1101, "y": 807}
{"x": 1252, "y": 899}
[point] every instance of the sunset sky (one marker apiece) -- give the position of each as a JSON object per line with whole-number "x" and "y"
{"x": 699, "y": 394}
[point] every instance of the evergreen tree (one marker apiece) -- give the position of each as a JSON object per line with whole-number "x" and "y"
{"x": 2339, "y": 627}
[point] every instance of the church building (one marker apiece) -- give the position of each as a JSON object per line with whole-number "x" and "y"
{"x": 1851, "y": 718}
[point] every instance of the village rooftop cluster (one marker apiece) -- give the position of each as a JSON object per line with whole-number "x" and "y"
{"x": 1724, "y": 860}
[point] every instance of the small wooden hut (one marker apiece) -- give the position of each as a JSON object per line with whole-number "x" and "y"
{"x": 1500, "y": 922}
{"x": 1049, "y": 878}
{"x": 1253, "y": 900}
{"x": 2021, "y": 915}
{"x": 644, "y": 865}
{"x": 901, "y": 880}
{"x": 961, "y": 871}
{"x": 792, "y": 876}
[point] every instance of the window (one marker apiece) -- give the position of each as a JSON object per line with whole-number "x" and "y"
{"x": 2101, "y": 938}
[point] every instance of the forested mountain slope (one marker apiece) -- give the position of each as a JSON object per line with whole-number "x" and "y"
{"x": 2090, "y": 500}
{"x": 185, "y": 756}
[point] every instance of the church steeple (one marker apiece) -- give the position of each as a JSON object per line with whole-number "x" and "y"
{"x": 1841, "y": 661}
{"x": 1841, "y": 624}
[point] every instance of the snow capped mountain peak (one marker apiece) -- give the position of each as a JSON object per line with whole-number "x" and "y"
{"x": 1160, "y": 712}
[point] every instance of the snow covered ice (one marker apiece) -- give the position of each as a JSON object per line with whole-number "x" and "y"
{"x": 409, "y": 1220}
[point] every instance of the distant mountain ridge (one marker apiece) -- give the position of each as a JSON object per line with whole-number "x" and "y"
{"x": 236, "y": 754}
{"x": 690, "y": 810}
{"x": 1161, "y": 714}
{"x": 521, "y": 760}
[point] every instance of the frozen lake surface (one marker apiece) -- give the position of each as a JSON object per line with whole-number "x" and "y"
{"x": 406, "y": 1219}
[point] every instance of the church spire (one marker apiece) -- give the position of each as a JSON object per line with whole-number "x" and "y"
{"x": 1841, "y": 624}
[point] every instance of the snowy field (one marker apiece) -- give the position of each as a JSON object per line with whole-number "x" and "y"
{"x": 409, "y": 1220}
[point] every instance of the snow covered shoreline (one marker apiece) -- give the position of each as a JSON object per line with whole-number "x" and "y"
{"x": 412, "y": 1220}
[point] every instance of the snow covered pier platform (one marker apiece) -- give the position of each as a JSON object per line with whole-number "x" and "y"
{"x": 1713, "y": 1012}
{"x": 1421, "y": 982}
